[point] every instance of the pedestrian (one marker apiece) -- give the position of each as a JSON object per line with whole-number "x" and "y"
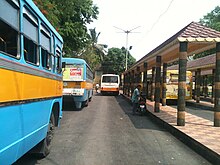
{"x": 135, "y": 98}
{"x": 96, "y": 88}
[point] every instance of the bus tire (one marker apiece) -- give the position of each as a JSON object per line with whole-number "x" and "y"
{"x": 86, "y": 103}
{"x": 45, "y": 144}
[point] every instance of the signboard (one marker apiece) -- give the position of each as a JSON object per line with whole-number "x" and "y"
{"x": 73, "y": 73}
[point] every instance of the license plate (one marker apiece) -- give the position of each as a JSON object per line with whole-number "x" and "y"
{"x": 142, "y": 106}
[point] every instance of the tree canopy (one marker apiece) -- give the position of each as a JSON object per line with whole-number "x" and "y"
{"x": 114, "y": 61}
{"x": 70, "y": 18}
{"x": 211, "y": 20}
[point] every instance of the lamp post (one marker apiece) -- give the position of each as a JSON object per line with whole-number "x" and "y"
{"x": 126, "y": 53}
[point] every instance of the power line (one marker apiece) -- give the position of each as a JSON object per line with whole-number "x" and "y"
{"x": 157, "y": 20}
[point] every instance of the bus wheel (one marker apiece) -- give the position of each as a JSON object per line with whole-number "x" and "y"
{"x": 86, "y": 103}
{"x": 45, "y": 145}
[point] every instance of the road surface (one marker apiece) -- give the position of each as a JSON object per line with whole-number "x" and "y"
{"x": 106, "y": 133}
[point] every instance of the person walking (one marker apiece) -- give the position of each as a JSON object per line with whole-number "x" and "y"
{"x": 135, "y": 98}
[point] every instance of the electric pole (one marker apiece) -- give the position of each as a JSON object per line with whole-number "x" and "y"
{"x": 126, "y": 54}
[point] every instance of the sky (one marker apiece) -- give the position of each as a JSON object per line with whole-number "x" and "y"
{"x": 150, "y": 22}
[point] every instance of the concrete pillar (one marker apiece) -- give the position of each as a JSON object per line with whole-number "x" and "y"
{"x": 217, "y": 87}
{"x": 132, "y": 81}
{"x": 213, "y": 86}
{"x": 145, "y": 79}
{"x": 195, "y": 96}
{"x": 164, "y": 84}
{"x": 205, "y": 86}
{"x": 198, "y": 83}
{"x": 157, "y": 84}
{"x": 182, "y": 84}
{"x": 153, "y": 84}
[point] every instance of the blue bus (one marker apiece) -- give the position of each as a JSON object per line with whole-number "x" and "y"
{"x": 31, "y": 80}
{"x": 77, "y": 81}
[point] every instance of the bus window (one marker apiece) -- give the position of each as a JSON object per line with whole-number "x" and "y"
{"x": 9, "y": 39}
{"x": 45, "y": 48}
{"x": 53, "y": 66}
{"x": 52, "y": 48}
{"x": 30, "y": 29}
{"x": 46, "y": 58}
{"x": 58, "y": 56}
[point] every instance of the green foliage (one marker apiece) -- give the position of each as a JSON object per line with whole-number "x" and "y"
{"x": 70, "y": 18}
{"x": 114, "y": 61}
{"x": 212, "y": 19}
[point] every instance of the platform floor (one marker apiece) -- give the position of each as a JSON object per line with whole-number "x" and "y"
{"x": 196, "y": 127}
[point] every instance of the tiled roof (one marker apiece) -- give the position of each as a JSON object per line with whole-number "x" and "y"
{"x": 204, "y": 61}
{"x": 198, "y": 63}
{"x": 197, "y": 32}
{"x": 194, "y": 33}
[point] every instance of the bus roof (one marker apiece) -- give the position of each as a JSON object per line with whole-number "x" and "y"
{"x": 73, "y": 60}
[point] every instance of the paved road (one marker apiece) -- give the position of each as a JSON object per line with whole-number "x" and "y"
{"x": 105, "y": 133}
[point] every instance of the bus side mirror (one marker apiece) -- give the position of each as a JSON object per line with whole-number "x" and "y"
{"x": 63, "y": 64}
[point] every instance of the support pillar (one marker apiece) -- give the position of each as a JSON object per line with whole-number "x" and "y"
{"x": 132, "y": 81}
{"x": 182, "y": 84}
{"x": 164, "y": 88}
{"x": 157, "y": 83}
{"x": 205, "y": 86}
{"x": 213, "y": 86}
{"x": 195, "y": 85}
{"x": 153, "y": 84}
{"x": 217, "y": 87}
{"x": 145, "y": 79}
{"x": 198, "y": 83}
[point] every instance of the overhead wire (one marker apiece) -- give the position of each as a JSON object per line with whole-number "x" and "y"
{"x": 157, "y": 20}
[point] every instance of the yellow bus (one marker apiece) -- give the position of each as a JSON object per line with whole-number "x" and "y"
{"x": 172, "y": 84}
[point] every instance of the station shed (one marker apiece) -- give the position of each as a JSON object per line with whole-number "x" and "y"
{"x": 192, "y": 39}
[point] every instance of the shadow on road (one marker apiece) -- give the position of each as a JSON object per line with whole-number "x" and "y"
{"x": 29, "y": 159}
{"x": 139, "y": 121}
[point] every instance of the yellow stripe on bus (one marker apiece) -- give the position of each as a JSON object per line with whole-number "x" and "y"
{"x": 79, "y": 84}
{"x": 20, "y": 86}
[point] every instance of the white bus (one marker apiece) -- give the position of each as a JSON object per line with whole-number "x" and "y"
{"x": 110, "y": 84}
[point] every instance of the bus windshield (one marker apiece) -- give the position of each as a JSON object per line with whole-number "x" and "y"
{"x": 110, "y": 79}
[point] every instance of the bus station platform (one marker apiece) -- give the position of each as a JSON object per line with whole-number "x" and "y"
{"x": 204, "y": 104}
{"x": 198, "y": 133}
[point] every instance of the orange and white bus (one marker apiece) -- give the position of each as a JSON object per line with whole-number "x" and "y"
{"x": 110, "y": 84}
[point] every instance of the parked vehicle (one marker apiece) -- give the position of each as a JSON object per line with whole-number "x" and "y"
{"x": 31, "y": 80}
{"x": 77, "y": 81}
{"x": 142, "y": 108}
